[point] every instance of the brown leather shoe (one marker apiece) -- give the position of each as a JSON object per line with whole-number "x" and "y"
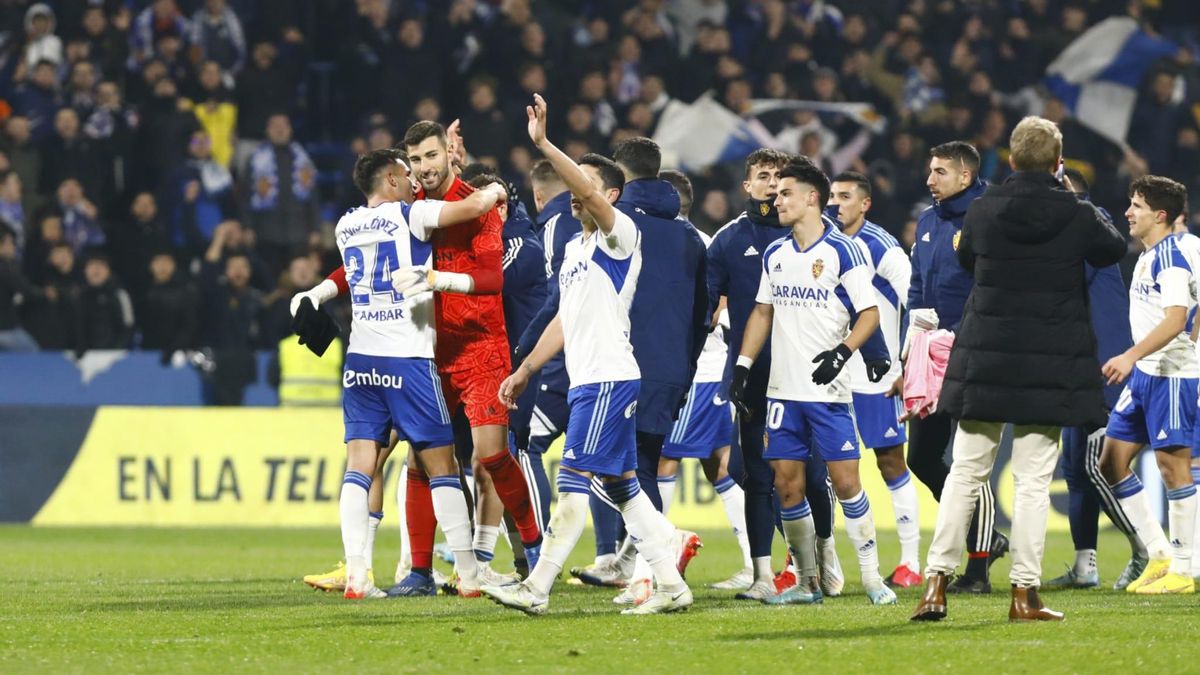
{"x": 1027, "y": 606}
{"x": 933, "y": 605}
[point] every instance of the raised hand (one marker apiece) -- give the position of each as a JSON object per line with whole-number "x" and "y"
{"x": 537, "y": 119}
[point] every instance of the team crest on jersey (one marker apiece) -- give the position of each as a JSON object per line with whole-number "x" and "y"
{"x": 763, "y": 209}
{"x": 957, "y": 236}
{"x": 817, "y": 268}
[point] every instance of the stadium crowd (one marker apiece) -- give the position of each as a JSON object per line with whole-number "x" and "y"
{"x": 170, "y": 171}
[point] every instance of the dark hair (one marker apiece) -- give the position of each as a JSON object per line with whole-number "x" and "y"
{"x": 682, "y": 185}
{"x": 640, "y": 155}
{"x": 543, "y": 172}
{"x": 960, "y": 151}
{"x": 422, "y": 130}
{"x": 482, "y": 178}
{"x": 855, "y": 177}
{"x": 474, "y": 169}
{"x": 806, "y": 172}
{"x": 369, "y": 166}
{"x": 766, "y": 157}
{"x": 1161, "y": 194}
{"x": 610, "y": 174}
{"x": 1076, "y": 177}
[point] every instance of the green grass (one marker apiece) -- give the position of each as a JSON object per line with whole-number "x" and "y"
{"x": 104, "y": 600}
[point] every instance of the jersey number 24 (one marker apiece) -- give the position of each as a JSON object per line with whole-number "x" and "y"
{"x": 384, "y": 259}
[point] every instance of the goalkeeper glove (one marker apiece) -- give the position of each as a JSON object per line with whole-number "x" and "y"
{"x": 326, "y": 290}
{"x": 830, "y": 364}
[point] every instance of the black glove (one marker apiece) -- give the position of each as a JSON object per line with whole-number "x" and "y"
{"x": 831, "y": 363}
{"x": 315, "y": 328}
{"x": 737, "y": 391}
{"x": 682, "y": 402}
{"x": 877, "y": 369}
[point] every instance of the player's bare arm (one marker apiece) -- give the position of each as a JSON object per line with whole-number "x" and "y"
{"x": 1174, "y": 322}
{"x": 550, "y": 344}
{"x": 581, "y": 186}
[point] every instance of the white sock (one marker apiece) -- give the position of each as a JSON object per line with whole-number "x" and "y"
{"x": 559, "y": 539}
{"x": 860, "y": 526}
{"x": 450, "y": 509}
{"x": 762, "y": 566}
{"x": 401, "y": 495}
{"x": 485, "y": 542}
{"x": 1181, "y": 516}
{"x": 1133, "y": 500}
{"x": 800, "y": 531}
{"x": 666, "y": 488}
{"x": 652, "y": 532}
{"x": 641, "y": 569}
{"x": 1085, "y": 561}
{"x": 373, "y": 520}
{"x": 734, "y": 501}
{"x": 908, "y": 525}
{"x": 354, "y": 510}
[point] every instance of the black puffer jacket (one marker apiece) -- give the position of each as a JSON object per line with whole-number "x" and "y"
{"x": 1025, "y": 352}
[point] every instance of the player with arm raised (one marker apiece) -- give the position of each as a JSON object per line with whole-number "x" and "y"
{"x": 389, "y": 379}
{"x": 597, "y": 283}
{"x": 811, "y": 283}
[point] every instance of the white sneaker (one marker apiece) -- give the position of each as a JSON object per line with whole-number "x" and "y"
{"x": 517, "y": 596}
{"x": 637, "y": 592}
{"x": 440, "y": 579}
{"x": 740, "y": 581}
{"x": 880, "y": 594}
{"x": 832, "y": 579}
{"x": 490, "y": 577}
{"x": 760, "y": 590}
{"x": 372, "y": 592}
{"x": 663, "y": 602}
{"x": 612, "y": 575}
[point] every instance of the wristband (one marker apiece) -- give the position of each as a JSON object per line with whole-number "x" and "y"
{"x": 744, "y": 361}
{"x": 326, "y": 290}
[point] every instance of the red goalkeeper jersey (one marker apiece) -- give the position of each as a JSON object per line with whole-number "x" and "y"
{"x": 470, "y": 328}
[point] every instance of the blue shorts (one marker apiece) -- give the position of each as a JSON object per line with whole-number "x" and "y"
{"x": 550, "y": 412}
{"x": 1160, "y": 411}
{"x": 795, "y": 429}
{"x": 705, "y": 424}
{"x": 602, "y": 430}
{"x": 380, "y": 393}
{"x": 877, "y": 418}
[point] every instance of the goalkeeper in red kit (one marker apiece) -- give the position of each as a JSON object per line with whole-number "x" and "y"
{"x": 472, "y": 352}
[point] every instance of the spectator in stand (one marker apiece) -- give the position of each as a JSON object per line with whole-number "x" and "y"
{"x": 199, "y": 196}
{"x": 161, "y": 18}
{"x": 80, "y": 92}
{"x": 15, "y": 289}
{"x": 230, "y": 325}
{"x": 38, "y": 99}
{"x": 282, "y": 205}
{"x": 231, "y": 239}
{"x": 134, "y": 240}
{"x": 411, "y": 70}
{"x": 170, "y": 312}
{"x": 216, "y": 112}
{"x": 263, "y": 88}
{"x": 41, "y": 44}
{"x": 105, "y": 312}
{"x": 80, "y": 218}
{"x": 300, "y": 275}
{"x": 107, "y": 42}
{"x": 217, "y": 36}
{"x": 24, "y": 158}
{"x": 12, "y": 208}
{"x": 111, "y": 127}
{"x": 166, "y": 125}
{"x": 68, "y": 153}
{"x": 52, "y": 322}
{"x": 1156, "y": 122}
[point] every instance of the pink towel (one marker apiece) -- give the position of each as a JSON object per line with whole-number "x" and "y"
{"x": 925, "y": 370}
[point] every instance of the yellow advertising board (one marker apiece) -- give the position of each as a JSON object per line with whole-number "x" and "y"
{"x": 269, "y": 467}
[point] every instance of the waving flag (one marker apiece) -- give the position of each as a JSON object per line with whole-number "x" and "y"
{"x": 1098, "y": 74}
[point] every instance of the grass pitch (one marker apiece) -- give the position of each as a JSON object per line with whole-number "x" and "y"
{"x": 184, "y": 600}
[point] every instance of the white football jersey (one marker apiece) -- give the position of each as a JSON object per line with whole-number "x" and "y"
{"x": 374, "y": 242}
{"x": 597, "y": 281}
{"x": 893, "y": 272}
{"x": 1164, "y": 278}
{"x": 710, "y": 367}
{"x": 812, "y": 291}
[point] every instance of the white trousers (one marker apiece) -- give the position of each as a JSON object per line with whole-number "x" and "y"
{"x": 1034, "y": 456}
